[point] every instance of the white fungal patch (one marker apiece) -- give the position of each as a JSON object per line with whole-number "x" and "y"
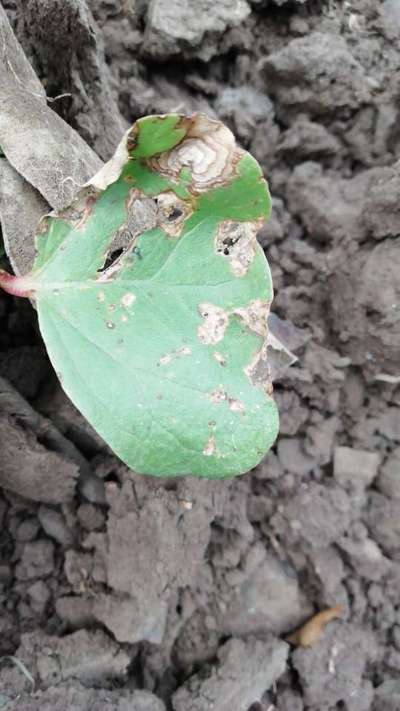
{"x": 214, "y": 325}
{"x": 128, "y": 299}
{"x": 101, "y": 296}
{"x": 208, "y": 150}
{"x": 110, "y": 324}
{"x": 209, "y": 449}
{"x": 237, "y": 242}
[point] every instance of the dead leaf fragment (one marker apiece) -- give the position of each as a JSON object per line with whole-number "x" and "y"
{"x": 311, "y": 631}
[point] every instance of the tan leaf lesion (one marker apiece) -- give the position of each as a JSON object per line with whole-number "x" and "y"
{"x": 237, "y": 242}
{"x": 208, "y": 150}
{"x": 172, "y": 213}
{"x": 259, "y": 371}
{"x": 79, "y": 212}
{"x": 210, "y": 447}
{"x": 141, "y": 215}
{"x": 174, "y": 355}
{"x": 255, "y": 316}
{"x": 220, "y": 395}
{"x": 215, "y": 322}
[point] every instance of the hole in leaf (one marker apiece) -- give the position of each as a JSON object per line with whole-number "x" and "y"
{"x": 111, "y": 259}
{"x": 228, "y": 242}
{"x": 174, "y": 214}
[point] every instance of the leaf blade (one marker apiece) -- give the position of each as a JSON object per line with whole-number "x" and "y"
{"x": 162, "y": 349}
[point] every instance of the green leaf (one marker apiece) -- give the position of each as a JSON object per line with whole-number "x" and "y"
{"x": 153, "y": 296}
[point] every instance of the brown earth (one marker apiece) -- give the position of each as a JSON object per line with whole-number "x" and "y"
{"x": 124, "y": 593}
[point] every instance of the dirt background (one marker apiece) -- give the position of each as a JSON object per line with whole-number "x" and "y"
{"x": 124, "y": 593}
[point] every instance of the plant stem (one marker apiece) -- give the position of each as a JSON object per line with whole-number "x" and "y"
{"x": 17, "y": 286}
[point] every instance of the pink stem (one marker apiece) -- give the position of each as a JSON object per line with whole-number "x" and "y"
{"x": 17, "y": 286}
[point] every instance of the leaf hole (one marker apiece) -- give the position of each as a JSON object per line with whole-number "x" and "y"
{"x": 111, "y": 259}
{"x": 227, "y": 243}
{"x": 174, "y": 214}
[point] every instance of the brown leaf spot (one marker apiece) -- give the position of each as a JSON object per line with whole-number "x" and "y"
{"x": 208, "y": 150}
{"x": 172, "y": 213}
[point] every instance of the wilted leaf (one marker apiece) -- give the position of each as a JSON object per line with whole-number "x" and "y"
{"x": 47, "y": 152}
{"x": 21, "y": 208}
{"x": 153, "y": 296}
{"x": 46, "y": 159}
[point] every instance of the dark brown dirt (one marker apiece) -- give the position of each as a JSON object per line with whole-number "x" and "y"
{"x": 124, "y": 593}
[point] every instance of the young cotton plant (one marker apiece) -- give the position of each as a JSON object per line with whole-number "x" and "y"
{"x": 152, "y": 295}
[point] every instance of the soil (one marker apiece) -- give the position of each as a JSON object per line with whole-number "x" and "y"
{"x": 126, "y": 593}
